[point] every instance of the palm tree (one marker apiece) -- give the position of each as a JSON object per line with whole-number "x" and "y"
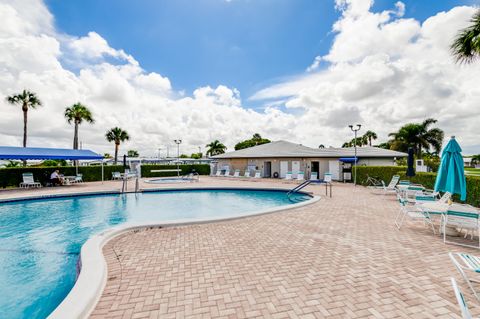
{"x": 466, "y": 46}
{"x": 27, "y": 100}
{"x": 347, "y": 144}
{"x": 418, "y": 136}
{"x": 215, "y": 148}
{"x": 369, "y": 136}
{"x": 117, "y": 135}
{"x": 77, "y": 113}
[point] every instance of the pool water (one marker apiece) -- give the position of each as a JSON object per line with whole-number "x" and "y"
{"x": 40, "y": 240}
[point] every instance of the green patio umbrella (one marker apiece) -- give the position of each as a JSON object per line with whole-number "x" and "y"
{"x": 451, "y": 174}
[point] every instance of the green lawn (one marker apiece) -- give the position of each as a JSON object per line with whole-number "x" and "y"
{"x": 472, "y": 171}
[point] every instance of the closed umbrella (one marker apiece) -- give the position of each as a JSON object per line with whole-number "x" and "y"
{"x": 410, "y": 160}
{"x": 451, "y": 174}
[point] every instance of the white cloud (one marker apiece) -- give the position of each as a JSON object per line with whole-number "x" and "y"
{"x": 387, "y": 71}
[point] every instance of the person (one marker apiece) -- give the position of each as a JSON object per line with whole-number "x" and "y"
{"x": 55, "y": 178}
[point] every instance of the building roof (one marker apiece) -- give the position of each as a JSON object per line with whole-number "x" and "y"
{"x": 36, "y": 153}
{"x": 288, "y": 149}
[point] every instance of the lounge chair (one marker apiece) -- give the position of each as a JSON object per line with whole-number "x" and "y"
{"x": 288, "y": 176}
{"x": 314, "y": 176}
{"x": 413, "y": 213}
{"x": 300, "y": 176}
{"x": 218, "y": 173}
{"x": 247, "y": 173}
{"x": 28, "y": 181}
{"x": 257, "y": 174}
{"x": 236, "y": 173}
{"x": 463, "y": 217}
{"x": 390, "y": 189}
{"x": 116, "y": 176}
{"x": 467, "y": 265}
{"x": 461, "y": 301}
{"x": 226, "y": 174}
{"x": 78, "y": 178}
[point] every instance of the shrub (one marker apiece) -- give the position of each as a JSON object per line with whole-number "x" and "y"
{"x": 385, "y": 173}
{"x": 13, "y": 176}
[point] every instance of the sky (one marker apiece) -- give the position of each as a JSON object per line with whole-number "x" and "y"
{"x": 216, "y": 69}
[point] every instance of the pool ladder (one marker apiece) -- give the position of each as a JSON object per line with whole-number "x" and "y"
{"x": 125, "y": 184}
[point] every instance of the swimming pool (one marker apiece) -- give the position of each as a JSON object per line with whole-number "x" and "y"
{"x": 169, "y": 180}
{"x": 40, "y": 240}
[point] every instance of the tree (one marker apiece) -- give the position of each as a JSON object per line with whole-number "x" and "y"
{"x": 117, "y": 135}
{"x": 196, "y": 155}
{"x": 13, "y": 164}
{"x": 321, "y": 146}
{"x": 184, "y": 156}
{"x": 254, "y": 141}
{"x": 107, "y": 155}
{"x": 419, "y": 136}
{"x": 466, "y": 45}
{"x": 132, "y": 153}
{"x": 347, "y": 144}
{"x": 77, "y": 113}
{"x": 369, "y": 136}
{"x": 475, "y": 159}
{"x": 215, "y": 148}
{"x": 28, "y": 100}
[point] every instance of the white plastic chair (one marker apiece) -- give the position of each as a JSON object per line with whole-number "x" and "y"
{"x": 387, "y": 189}
{"x": 463, "y": 217}
{"x": 28, "y": 181}
{"x": 236, "y": 173}
{"x": 461, "y": 300}
{"x": 313, "y": 176}
{"x": 300, "y": 176}
{"x": 226, "y": 174}
{"x": 247, "y": 173}
{"x": 116, "y": 176}
{"x": 78, "y": 178}
{"x": 288, "y": 176}
{"x": 257, "y": 174}
{"x": 413, "y": 213}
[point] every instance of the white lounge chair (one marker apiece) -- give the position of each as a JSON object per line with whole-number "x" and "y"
{"x": 78, "y": 178}
{"x": 116, "y": 176}
{"x": 247, "y": 173}
{"x": 218, "y": 173}
{"x": 467, "y": 265}
{"x": 226, "y": 174}
{"x": 313, "y": 176}
{"x": 463, "y": 217}
{"x": 390, "y": 189}
{"x": 28, "y": 181}
{"x": 257, "y": 174}
{"x": 461, "y": 300}
{"x": 236, "y": 173}
{"x": 300, "y": 176}
{"x": 288, "y": 176}
{"x": 413, "y": 213}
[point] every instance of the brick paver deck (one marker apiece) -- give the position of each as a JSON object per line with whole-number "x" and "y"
{"x": 339, "y": 258}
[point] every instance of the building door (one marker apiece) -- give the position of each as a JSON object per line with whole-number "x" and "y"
{"x": 283, "y": 169}
{"x": 267, "y": 169}
{"x": 295, "y": 168}
{"x": 334, "y": 169}
{"x": 316, "y": 168}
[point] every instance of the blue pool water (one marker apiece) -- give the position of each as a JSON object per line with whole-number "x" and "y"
{"x": 40, "y": 240}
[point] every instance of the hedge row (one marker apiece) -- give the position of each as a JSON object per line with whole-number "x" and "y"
{"x": 13, "y": 176}
{"x": 385, "y": 173}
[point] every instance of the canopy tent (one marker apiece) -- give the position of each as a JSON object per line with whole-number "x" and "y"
{"x": 37, "y": 153}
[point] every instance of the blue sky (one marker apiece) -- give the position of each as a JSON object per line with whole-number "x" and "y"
{"x": 244, "y": 44}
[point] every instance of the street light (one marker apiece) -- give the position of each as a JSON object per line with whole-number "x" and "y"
{"x": 355, "y": 130}
{"x": 178, "y": 142}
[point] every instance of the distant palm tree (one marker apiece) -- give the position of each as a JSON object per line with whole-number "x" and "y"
{"x": 77, "y": 113}
{"x": 215, "y": 148}
{"x": 466, "y": 46}
{"x": 347, "y": 144}
{"x": 27, "y": 100}
{"x": 117, "y": 135}
{"x": 370, "y": 135}
{"x": 418, "y": 136}
{"x": 321, "y": 146}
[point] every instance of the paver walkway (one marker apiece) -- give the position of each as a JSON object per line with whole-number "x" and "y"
{"x": 339, "y": 258}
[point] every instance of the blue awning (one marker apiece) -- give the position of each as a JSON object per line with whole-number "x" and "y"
{"x": 347, "y": 159}
{"x": 36, "y": 153}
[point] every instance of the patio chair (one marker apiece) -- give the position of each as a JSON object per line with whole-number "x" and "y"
{"x": 464, "y": 218}
{"x": 300, "y": 176}
{"x": 257, "y": 174}
{"x": 218, "y": 173}
{"x": 28, "y": 181}
{"x": 413, "y": 213}
{"x": 226, "y": 174}
{"x": 116, "y": 176}
{"x": 236, "y": 173}
{"x": 78, "y": 178}
{"x": 288, "y": 176}
{"x": 387, "y": 189}
{"x": 466, "y": 265}
{"x": 461, "y": 301}
{"x": 247, "y": 173}
{"x": 313, "y": 176}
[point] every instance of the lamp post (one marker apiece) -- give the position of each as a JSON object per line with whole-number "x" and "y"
{"x": 159, "y": 154}
{"x": 355, "y": 130}
{"x": 178, "y": 142}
